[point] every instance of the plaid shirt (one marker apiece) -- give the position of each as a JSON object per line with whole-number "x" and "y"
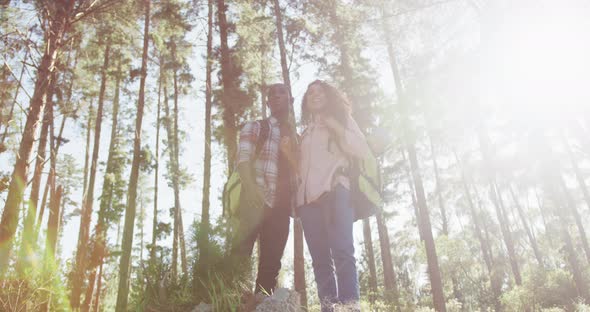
{"x": 266, "y": 166}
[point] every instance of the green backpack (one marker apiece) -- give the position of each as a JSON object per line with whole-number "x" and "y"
{"x": 233, "y": 186}
{"x": 365, "y": 185}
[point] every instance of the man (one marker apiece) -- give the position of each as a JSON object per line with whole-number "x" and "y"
{"x": 267, "y": 195}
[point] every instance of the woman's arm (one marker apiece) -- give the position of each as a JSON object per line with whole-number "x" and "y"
{"x": 351, "y": 139}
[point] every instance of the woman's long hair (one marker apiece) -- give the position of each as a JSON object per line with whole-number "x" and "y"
{"x": 337, "y": 105}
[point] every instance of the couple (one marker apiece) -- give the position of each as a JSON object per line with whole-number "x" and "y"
{"x": 309, "y": 181}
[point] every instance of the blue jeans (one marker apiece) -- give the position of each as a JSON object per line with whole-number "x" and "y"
{"x": 327, "y": 225}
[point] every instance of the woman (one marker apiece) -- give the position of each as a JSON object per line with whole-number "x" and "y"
{"x": 330, "y": 140}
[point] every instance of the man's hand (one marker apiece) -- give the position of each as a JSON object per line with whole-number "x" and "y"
{"x": 287, "y": 149}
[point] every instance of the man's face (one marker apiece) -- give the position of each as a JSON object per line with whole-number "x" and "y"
{"x": 278, "y": 100}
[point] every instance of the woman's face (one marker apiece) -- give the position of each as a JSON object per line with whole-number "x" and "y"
{"x": 316, "y": 98}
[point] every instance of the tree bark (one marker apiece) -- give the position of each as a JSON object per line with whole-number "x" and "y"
{"x": 527, "y": 228}
{"x": 54, "y": 149}
{"x": 441, "y": 203}
{"x": 371, "y": 260}
{"x": 570, "y": 253}
{"x": 88, "y": 201}
{"x": 298, "y": 259}
{"x": 53, "y": 223}
{"x": 174, "y": 177}
{"x": 106, "y": 199}
{"x": 8, "y": 224}
{"x": 89, "y": 291}
{"x": 443, "y": 214}
{"x": 477, "y": 224}
{"x": 203, "y": 239}
{"x": 389, "y": 276}
{"x": 125, "y": 262}
{"x": 299, "y": 263}
{"x": 29, "y": 239}
{"x": 410, "y": 182}
{"x": 438, "y": 297}
{"x": 229, "y": 86}
{"x": 176, "y": 169}
{"x": 87, "y": 154}
{"x": 499, "y": 206}
{"x": 156, "y": 175}
{"x": 96, "y": 304}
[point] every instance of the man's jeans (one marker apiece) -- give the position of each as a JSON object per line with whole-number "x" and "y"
{"x": 327, "y": 224}
{"x": 272, "y": 226}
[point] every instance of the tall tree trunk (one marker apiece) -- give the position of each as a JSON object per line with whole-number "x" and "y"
{"x": 389, "y": 276}
{"x": 477, "y": 224}
{"x": 171, "y": 152}
{"x": 483, "y": 237}
{"x": 299, "y": 263}
{"x": 436, "y": 285}
{"x": 29, "y": 239}
{"x": 176, "y": 169}
{"x": 96, "y": 304}
{"x": 410, "y": 182}
{"x": 182, "y": 243}
{"x": 371, "y": 260}
{"x": 441, "y": 203}
{"x": 53, "y": 224}
{"x": 84, "y": 233}
{"x": 125, "y": 262}
{"x": 431, "y": 256}
{"x": 87, "y": 154}
{"x": 527, "y": 227}
{"x": 51, "y": 240}
{"x": 106, "y": 199}
{"x": 495, "y": 196}
{"x": 443, "y": 214}
{"x": 55, "y": 148}
{"x": 203, "y": 239}
{"x": 229, "y": 86}
{"x": 298, "y": 259}
{"x": 89, "y": 291}
{"x": 571, "y": 255}
{"x": 156, "y": 175}
{"x": 52, "y": 44}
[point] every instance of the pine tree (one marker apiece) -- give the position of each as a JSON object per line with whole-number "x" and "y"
{"x": 125, "y": 262}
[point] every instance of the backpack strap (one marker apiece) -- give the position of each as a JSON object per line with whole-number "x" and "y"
{"x": 262, "y": 136}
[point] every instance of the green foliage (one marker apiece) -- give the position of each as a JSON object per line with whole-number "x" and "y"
{"x": 36, "y": 289}
{"x": 541, "y": 289}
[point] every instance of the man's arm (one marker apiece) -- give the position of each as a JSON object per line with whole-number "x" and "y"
{"x": 250, "y": 190}
{"x": 248, "y": 136}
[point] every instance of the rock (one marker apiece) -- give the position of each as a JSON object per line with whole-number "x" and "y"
{"x": 203, "y": 307}
{"x": 282, "y": 300}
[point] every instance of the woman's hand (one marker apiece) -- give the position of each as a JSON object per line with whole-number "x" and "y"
{"x": 334, "y": 126}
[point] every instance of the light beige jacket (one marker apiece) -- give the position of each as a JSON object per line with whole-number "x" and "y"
{"x": 321, "y": 157}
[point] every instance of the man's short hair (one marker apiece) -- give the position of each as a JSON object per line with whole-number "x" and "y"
{"x": 275, "y": 86}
